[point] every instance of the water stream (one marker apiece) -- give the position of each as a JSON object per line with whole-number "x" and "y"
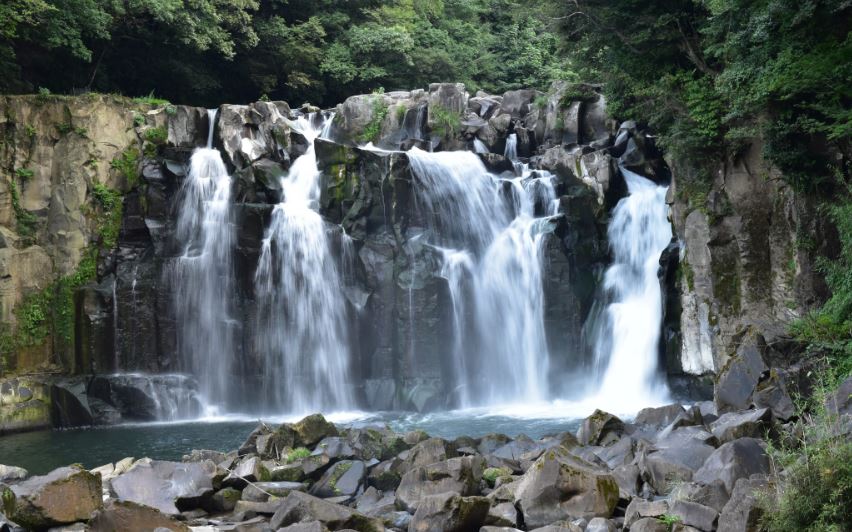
{"x": 202, "y": 277}
{"x": 627, "y": 342}
{"x": 490, "y": 239}
{"x": 302, "y": 335}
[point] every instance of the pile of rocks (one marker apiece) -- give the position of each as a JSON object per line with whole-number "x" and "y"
{"x": 671, "y": 468}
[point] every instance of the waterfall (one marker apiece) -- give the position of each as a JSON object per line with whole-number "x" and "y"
{"x": 115, "y": 333}
{"x": 627, "y": 338}
{"x": 302, "y": 337}
{"x": 491, "y": 241}
{"x": 202, "y": 277}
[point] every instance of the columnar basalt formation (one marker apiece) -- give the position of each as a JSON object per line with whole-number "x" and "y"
{"x": 84, "y": 291}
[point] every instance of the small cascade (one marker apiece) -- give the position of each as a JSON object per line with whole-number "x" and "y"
{"x": 628, "y": 335}
{"x": 511, "y": 151}
{"x": 163, "y": 397}
{"x": 302, "y": 336}
{"x": 116, "y": 347}
{"x": 486, "y": 228}
{"x": 479, "y": 146}
{"x": 202, "y": 277}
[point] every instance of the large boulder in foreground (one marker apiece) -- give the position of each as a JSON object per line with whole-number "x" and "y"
{"x": 447, "y": 512}
{"x": 169, "y": 487}
{"x": 742, "y": 513}
{"x": 63, "y": 496}
{"x": 126, "y": 515}
{"x": 456, "y": 475}
{"x": 559, "y": 485}
{"x": 732, "y": 461}
{"x": 300, "y": 507}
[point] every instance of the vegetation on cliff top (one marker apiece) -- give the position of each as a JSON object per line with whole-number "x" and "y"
{"x": 221, "y": 50}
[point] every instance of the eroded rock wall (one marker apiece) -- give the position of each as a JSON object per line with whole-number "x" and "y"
{"x": 91, "y": 155}
{"x": 749, "y": 249}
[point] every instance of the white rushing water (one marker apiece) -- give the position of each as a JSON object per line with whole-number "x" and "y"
{"x": 627, "y": 344}
{"x": 202, "y": 277}
{"x": 479, "y": 146}
{"x": 302, "y": 336}
{"x": 491, "y": 240}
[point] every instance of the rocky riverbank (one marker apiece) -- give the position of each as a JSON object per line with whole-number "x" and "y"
{"x": 674, "y": 468}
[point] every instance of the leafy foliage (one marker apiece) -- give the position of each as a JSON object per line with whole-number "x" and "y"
{"x": 814, "y": 491}
{"x": 829, "y": 329}
{"x": 204, "y": 52}
{"x": 297, "y": 454}
{"x": 446, "y": 121}
{"x": 708, "y": 74}
{"x": 374, "y": 128}
{"x": 127, "y": 164}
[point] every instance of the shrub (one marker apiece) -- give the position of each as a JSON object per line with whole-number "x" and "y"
{"x": 491, "y": 474}
{"x": 24, "y": 173}
{"x": 815, "y": 490}
{"x": 156, "y": 135}
{"x": 127, "y": 164}
{"x": 297, "y": 454}
{"x": 446, "y": 122}
{"x": 151, "y": 100}
{"x": 374, "y": 128}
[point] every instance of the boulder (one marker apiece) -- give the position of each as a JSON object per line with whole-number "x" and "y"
{"x": 601, "y": 428}
{"x": 300, "y": 507}
{"x": 225, "y": 500}
{"x": 251, "y": 132}
{"x": 732, "y": 461}
{"x": 169, "y": 487}
{"x": 249, "y": 469}
{"x": 309, "y": 526}
{"x": 128, "y": 515}
{"x": 7, "y": 525}
{"x": 559, "y": 485}
{"x": 262, "y": 491}
{"x": 518, "y": 103}
{"x": 694, "y": 514}
{"x": 63, "y": 496}
{"x": 458, "y": 475}
{"x": 312, "y": 429}
{"x": 649, "y": 524}
{"x": 375, "y": 503}
{"x": 639, "y": 509}
{"x": 672, "y": 461}
{"x": 384, "y": 475}
{"x": 773, "y": 393}
{"x": 840, "y": 402}
{"x": 737, "y": 380}
{"x": 748, "y": 424}
{"x": 9, "y": 474}
{"x": 502, "y": 514}
{"x": 742, "y": 513}
{"x": 343, "y": 478}
{"x": 448, "y": 512}
{"x": 599, "y": 524}
{"x": 188, "y": 127}
{"x": 427, "y": 452}
{"x": 658, "y": 417}
{"x": 712, "y": 495}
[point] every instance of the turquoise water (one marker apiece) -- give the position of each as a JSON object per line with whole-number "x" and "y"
{"x": 43, "y": 451}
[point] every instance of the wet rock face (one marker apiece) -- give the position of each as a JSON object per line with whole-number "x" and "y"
{"x": 400, "y": 304}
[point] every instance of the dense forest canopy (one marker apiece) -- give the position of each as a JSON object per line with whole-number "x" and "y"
{"x": 206, "y": 52}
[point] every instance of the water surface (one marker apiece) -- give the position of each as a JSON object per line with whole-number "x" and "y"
{"x": 42, "y": 451}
